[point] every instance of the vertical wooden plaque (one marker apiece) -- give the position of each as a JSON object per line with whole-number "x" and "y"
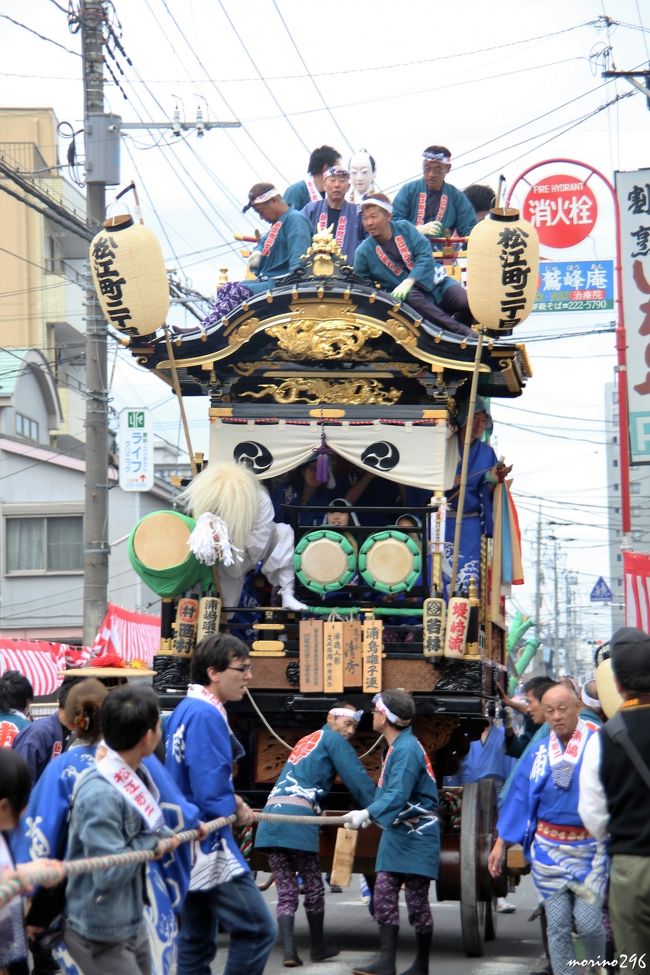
{"x": 311, "y": 655}
{"x": 352, "y": 654}
{"x": 333, "y": 657}
{"x": 372, "y": 651}
{"x": 433, "y": 627}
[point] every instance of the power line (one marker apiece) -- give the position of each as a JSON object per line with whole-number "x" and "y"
{"x": 312, "y": 79}
{"x": 42, "y": 37}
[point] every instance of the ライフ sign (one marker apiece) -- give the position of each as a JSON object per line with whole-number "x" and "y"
{"x": 136, "y": 450}
{"x": 633, "y": 193}
{"x": 562, "y": 209}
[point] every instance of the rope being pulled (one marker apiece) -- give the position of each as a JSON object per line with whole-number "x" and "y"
{"x": 31, "y": 875}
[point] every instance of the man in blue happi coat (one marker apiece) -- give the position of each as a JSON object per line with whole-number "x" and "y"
{"x": 335, "y": 212}
{"x": 433, "y": 205}
{"x": 200, "y": 752}
{"x": 277, "y": 253}
{"x": 303, "y": 783}
{"x": 404, "y": 807}
{"x": 310, "y": 189}
{"x": 399, "y": 259}
{"x": 569, "y": 866}
{"x": 280, "y": 249}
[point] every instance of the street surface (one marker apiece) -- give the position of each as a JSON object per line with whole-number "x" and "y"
{"x": 516, "y": 951}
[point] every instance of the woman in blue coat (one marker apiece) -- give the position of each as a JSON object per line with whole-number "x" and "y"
{"x": 409, "y": 850}
{"x": 303, "y": 783}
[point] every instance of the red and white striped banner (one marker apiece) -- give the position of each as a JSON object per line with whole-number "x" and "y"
{"x": 133, "y": 636}
{"x": 636, "y": 569}
{"x": 41, "y": 662}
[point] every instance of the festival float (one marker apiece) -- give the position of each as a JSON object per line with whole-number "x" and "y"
{"x": 325, "y": 368}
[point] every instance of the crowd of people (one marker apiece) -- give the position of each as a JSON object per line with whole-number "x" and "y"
{"x": 389, "y": 243}
{"x": 88, "y": 781}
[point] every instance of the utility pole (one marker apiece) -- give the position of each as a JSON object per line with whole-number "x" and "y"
{"x": 96, "y": 547}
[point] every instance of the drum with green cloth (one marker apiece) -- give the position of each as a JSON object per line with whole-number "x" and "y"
{"x": 159, "y": 553}
{"x": 390, "y": 561}
{"x": 325, "y": 560}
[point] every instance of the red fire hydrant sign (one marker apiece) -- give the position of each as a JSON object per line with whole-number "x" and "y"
{"x": 563, "y": 210}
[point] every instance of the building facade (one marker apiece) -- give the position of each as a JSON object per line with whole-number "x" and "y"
{"x": 42, "y": 404}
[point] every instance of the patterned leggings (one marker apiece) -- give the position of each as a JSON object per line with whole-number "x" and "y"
{"x": 416, "y": 891}
{"x": 285, "y": 864}
{"x": 562, "y": 909}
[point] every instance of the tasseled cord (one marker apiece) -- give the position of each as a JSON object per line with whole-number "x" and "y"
{"x": 210, "y": 542}
{"x": 322, "y": 460}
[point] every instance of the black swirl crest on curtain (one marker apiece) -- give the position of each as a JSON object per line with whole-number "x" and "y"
{"x": 381, "y": 456}
{"x": 255, "y": 454}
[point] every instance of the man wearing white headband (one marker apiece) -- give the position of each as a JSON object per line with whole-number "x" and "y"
{"x": 434, "y": 206}
{"x": 409, "y": 849}
{"x": 277, "y": 253}
{"x": 299, "y": 194}
{"x": 280, "y": 249}
{"x": 336, "y": 213}
{"x": 397, "y": 256}
{"x": 303, "y": 783}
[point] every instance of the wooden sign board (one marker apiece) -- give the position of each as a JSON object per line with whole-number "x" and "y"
{"x": 311, "y": 655}
{"x": 457, "y": 622}
{"x": 352, "y": 658}
{"x": 333, "y": 657}
{"x": 372, "y": 651}
{"x": 433, "y": 627}
{"x": 343, "y": 862}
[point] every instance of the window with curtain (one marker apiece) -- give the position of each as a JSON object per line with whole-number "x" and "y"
{"x": 42, "y": 545}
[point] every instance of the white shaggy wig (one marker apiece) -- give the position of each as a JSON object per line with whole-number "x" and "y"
{"x": 230, "y": 491}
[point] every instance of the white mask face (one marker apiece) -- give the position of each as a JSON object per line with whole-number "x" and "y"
{"x": 361, "y": 172}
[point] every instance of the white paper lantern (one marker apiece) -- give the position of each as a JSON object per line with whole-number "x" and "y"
{"x": 502, "y": 270}
{"x": 129, "y": 274}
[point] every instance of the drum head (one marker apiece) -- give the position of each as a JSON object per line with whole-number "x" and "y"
{"x": 390, "y": 561}
{"x": 325, "y": 560}
{"x": 160, "y": 540}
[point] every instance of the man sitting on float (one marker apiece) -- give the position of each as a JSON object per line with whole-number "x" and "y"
{"x": 335, "y": 212}
{"x": 399, "y": 258}
{"x": 433, "y": 205}
{"x": 277, "y": 253}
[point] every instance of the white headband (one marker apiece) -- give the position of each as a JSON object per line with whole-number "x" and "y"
{"x": 591, "y": 702}
{"x": 265, "y": 197}
{"x": 436, "y": 157}
{"x": 374, "y": 202}
{"x": 379, "y": 705}
{"x": 346, "y": 713}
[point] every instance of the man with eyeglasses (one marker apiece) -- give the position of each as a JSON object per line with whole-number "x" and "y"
{"x": 569, "y": 866}
{"x": 435, "y": 207}
{"x": 200, "y": 753}
{"x": 303, "y": 783}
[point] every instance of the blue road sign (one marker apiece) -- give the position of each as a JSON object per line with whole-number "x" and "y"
{"x": 601, "y": 593}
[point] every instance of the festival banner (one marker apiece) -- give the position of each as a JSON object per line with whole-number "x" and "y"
{"x": 633, "y": 192}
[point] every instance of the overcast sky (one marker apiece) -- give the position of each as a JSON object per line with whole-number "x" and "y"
{"x": 504, "y": 85}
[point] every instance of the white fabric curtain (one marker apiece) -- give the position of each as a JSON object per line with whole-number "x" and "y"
{"x": 422, "y": 454}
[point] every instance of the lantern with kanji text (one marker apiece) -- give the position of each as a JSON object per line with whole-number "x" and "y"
{"x": 129, "y": 274}
{"x": 502, "y": 269}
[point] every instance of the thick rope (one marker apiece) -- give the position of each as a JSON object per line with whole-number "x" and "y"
{"x": 282, "y": 741}
{"x": 265, "y": 722}
{"x": 39, "y": 875}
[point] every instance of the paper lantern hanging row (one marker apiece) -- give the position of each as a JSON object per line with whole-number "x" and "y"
{"x": 129, "y": 274}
